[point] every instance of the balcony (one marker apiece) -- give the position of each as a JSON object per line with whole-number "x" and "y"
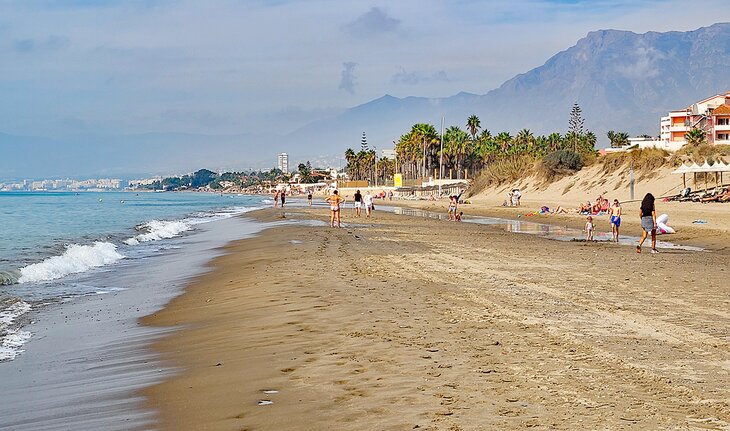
{"x": 722, "y": 128}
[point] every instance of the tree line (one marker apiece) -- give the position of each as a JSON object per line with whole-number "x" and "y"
{"x": 205, "y": 178}
{"x": 420, "y": 151}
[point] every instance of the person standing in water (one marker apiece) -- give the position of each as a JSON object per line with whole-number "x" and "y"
{"x": 276, "y": 198}
{"x": 358, "y": 203}
{"x": 615, "y": 212}
{"x": 309, "y": 198}
{"x": 648, "y": 222}
{"x": 283, "y": 197}
{"x": 335, "y": 200}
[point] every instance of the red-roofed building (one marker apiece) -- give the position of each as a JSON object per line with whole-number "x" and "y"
{"x": 712, "y": 115}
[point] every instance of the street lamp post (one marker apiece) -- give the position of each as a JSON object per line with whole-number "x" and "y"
{"x": 376, "y": 166}
{"x": 441, "y": 156}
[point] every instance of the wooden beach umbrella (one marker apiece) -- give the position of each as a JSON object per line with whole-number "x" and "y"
{"x": 722, "y": 167}
{"x": 683, "y": 169}
{"x": 705, "y": 169}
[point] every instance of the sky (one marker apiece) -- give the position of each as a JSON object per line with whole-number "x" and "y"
{"x": 108, "y": 67}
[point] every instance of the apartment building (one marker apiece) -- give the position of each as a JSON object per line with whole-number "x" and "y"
{"x": 712, "y": 115}
{"x": 283, "y": 162}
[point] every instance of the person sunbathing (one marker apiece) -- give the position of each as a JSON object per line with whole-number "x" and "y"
{"x": 561, "y": 210}
{"x": 605, "y": 205}
{"x": 722, "y": 197}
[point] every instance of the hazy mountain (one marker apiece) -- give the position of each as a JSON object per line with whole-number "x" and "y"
{"x": 622, "y": 80}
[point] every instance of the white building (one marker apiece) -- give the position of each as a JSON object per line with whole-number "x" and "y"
{"x": 283, "y": 164}
{"x": 711, "y": 115}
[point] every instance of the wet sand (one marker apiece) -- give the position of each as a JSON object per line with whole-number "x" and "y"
{"x": 89, "y": 356}
{"x": 409, "y": 323}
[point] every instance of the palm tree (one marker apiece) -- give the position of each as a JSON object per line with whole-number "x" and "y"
{"x": 588, "y": 142}
{"x": 617, "y": 139}
{"x": 695, "y": 137}
{"x": 458, "y": 145}
{"x": 428, "y": 137}
{"x": 611, "y": 135}
{"x": 473, "y": 125}
{"x": 555, "y": 142}
{"x": 350, "y": 159}
{"x": 524, "y": 141}
{"x": 504, "y": 140}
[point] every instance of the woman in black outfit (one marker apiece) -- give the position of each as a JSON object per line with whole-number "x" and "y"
{"x": 648, "y": 222}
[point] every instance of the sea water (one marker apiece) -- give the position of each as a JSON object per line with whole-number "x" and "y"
{"x": 51, "y": 240}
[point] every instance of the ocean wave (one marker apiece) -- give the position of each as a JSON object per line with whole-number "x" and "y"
{"x": 156, "y": 230}
{"x": 9, "y": 277}
{"x": 77, "y": 258}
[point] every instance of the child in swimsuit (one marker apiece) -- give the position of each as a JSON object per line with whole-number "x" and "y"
{"x": 589, "y": 229}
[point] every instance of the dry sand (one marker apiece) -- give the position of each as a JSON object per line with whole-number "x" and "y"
{"x": 401, "y": 323}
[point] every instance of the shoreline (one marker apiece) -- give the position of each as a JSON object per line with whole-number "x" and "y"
{"x": 88, "y": 355}
{"x": 441, "y": 325}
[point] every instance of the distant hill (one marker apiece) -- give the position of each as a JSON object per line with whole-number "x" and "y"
{"x": 622, "y": 80}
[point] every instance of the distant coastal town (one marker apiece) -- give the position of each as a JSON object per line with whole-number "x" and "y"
{"x": 200, "y": 180}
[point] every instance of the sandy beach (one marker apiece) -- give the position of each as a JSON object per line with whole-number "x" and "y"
{"x": 411, "y": 323}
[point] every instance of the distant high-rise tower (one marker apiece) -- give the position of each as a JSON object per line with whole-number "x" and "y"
{"x": 283, "y": 162}
{"x": 364, "y": 142}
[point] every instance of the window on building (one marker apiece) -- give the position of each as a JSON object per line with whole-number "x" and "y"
{"x": 723, "y": 136}
{"x": 723, "y": 121}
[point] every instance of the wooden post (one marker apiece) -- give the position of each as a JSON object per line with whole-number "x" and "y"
{"x": 684, "y": 180}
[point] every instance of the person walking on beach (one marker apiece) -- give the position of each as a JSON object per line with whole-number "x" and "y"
{"x": 453, "y": 204}
{"x": 358, "y": 203}
{"x": 335, "y": 200}
{"x": 647, "y": 212}
{"x": 309, "y": 198}
{"x": 615, "y": 212}
{"x": 276, "y": 198}
{"x": 283, "y": 197}
{"x": 368, "y": 203}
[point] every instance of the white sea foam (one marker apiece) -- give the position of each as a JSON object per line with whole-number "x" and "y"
{"x": 156, "y": 230}
{"x": 11, "y": 343}
{"x": 12, "y": 339}
{"x": 11, "y": 313}
{"x": 77, "y": 258}
{"x": 159, "y": 229}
